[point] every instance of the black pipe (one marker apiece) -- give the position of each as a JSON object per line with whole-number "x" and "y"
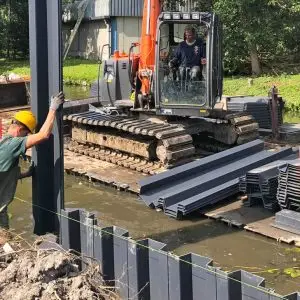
{"x": 99, "y": 68}
{"x": 133, "y": 45}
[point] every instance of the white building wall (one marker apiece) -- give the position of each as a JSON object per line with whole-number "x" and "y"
{"x": 129, "y": 31}
{"x": 89, "y": 39}
{"x": 92, "y": 35}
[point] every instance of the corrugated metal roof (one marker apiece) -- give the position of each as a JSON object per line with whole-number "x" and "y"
{"x": 126, "y": 8}
{"x": 98, "y": 9}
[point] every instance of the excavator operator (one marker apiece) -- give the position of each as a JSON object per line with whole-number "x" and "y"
{"x": 189, "y": 56}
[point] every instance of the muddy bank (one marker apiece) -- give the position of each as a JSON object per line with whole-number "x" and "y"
{"x": 32, "y": 273}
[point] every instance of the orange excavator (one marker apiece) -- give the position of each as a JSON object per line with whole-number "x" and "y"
{"x": 154, "y": 113}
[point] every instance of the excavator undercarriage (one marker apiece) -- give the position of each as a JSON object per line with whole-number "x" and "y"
{"x": 153, "y": 146}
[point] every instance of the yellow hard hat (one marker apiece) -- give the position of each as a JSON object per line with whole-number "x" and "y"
{"x": 27, "y": 118}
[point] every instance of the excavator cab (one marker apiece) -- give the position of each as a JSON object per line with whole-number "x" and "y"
{"x": 193, "y": 88}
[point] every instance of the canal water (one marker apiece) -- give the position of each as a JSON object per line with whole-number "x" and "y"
{"x": 230, "y": 248}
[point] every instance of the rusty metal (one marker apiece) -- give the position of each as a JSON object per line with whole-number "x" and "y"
{"x": 168, "y": 143}
{"x": 142, "y": 136}
{"x": 131, "y": 145}
{"x": 274, "y": 113}
{"x": 120, "y": 159}
{"x": 13, "y": 93}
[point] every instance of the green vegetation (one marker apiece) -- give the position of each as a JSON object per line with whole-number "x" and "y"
{"x": 75, "y": 71}
{"x": 20, "y": 67}
{"x": 258, "y": 34}
{"x": 84, "y": 72}
{"x": 288, "y": 85}
{"x": 80, "y": 71}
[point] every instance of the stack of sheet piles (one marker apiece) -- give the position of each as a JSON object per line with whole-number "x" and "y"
{"x": 288, "y": 194}
{"x": 261, "y": 184}
{"x": 259, "y": 107}
{"x": 206, "y": 181}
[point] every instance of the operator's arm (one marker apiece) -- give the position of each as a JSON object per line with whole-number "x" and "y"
{"x": 203, "y": 53}
{"x": 176, "y": 60}
{"x": 47, "y": 127}
{"x": 178, "y": 54}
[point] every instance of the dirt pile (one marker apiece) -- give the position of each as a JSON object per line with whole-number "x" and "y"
{"x": 48, "y": 274}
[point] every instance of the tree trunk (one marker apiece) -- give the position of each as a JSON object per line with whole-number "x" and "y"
{"x": 255, "y": 62}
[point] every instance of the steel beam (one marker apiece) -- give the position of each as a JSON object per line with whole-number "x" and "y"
{"x": 46, "y": 79}
{"x": 54, "y": 20}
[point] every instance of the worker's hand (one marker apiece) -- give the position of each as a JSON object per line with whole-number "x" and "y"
{"x": 57, "y": 101}
{"x": 28, "y": 173}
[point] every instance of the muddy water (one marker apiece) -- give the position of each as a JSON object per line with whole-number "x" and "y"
{"x": 230, "y": 248}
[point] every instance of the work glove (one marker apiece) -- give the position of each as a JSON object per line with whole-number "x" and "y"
{"x": 28, "y": 173}
{"x": 57, "y": 101}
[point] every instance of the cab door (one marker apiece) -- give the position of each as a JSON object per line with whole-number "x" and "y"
{"x": 214, "y": 62}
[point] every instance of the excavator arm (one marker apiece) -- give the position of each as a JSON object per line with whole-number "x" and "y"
{"x": 152, "y": 10}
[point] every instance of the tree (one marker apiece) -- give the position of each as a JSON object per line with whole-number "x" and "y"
{"x": 14, "y": 35}
{"x": 256, "y": 32}
{"x": 259, "y": 28}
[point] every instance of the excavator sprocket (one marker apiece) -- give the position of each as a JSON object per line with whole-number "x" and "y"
{"x": 228, "y": 129}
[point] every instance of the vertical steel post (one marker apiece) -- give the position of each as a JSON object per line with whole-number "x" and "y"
{"x": 46, "y": 79}
{"x": 275, "y": 123}
{"x": 54, "y": 20}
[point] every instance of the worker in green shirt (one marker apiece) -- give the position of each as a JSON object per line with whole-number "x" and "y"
{"x": 19, "y": 138}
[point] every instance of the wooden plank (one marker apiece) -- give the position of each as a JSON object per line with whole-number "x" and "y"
{"x": 102, "y": 171}
{"x": 255, "y": 219}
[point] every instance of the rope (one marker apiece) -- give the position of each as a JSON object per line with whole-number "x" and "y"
{"x": 157, "y": 250}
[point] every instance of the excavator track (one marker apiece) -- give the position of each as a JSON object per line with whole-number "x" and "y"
{"x": 120, "y": 159}
{"x": 226, "y": 128}
{"x": 161, "y": 142}
{"x": 151, "y": 147}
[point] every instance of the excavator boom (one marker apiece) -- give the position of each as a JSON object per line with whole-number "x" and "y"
{"x": 152, "y": 10}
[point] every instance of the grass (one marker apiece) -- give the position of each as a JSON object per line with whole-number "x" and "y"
{"x": 84, "y": 72}
{"x": 20, "y": 67}
{"x": 80, "y": 72}
{"x": 288, "y": 85}
{"x": 75, "y": 71}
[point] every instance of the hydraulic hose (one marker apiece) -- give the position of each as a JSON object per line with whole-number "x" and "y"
{"x": 133, "y": 45}
{"x": 99, "y": 69}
